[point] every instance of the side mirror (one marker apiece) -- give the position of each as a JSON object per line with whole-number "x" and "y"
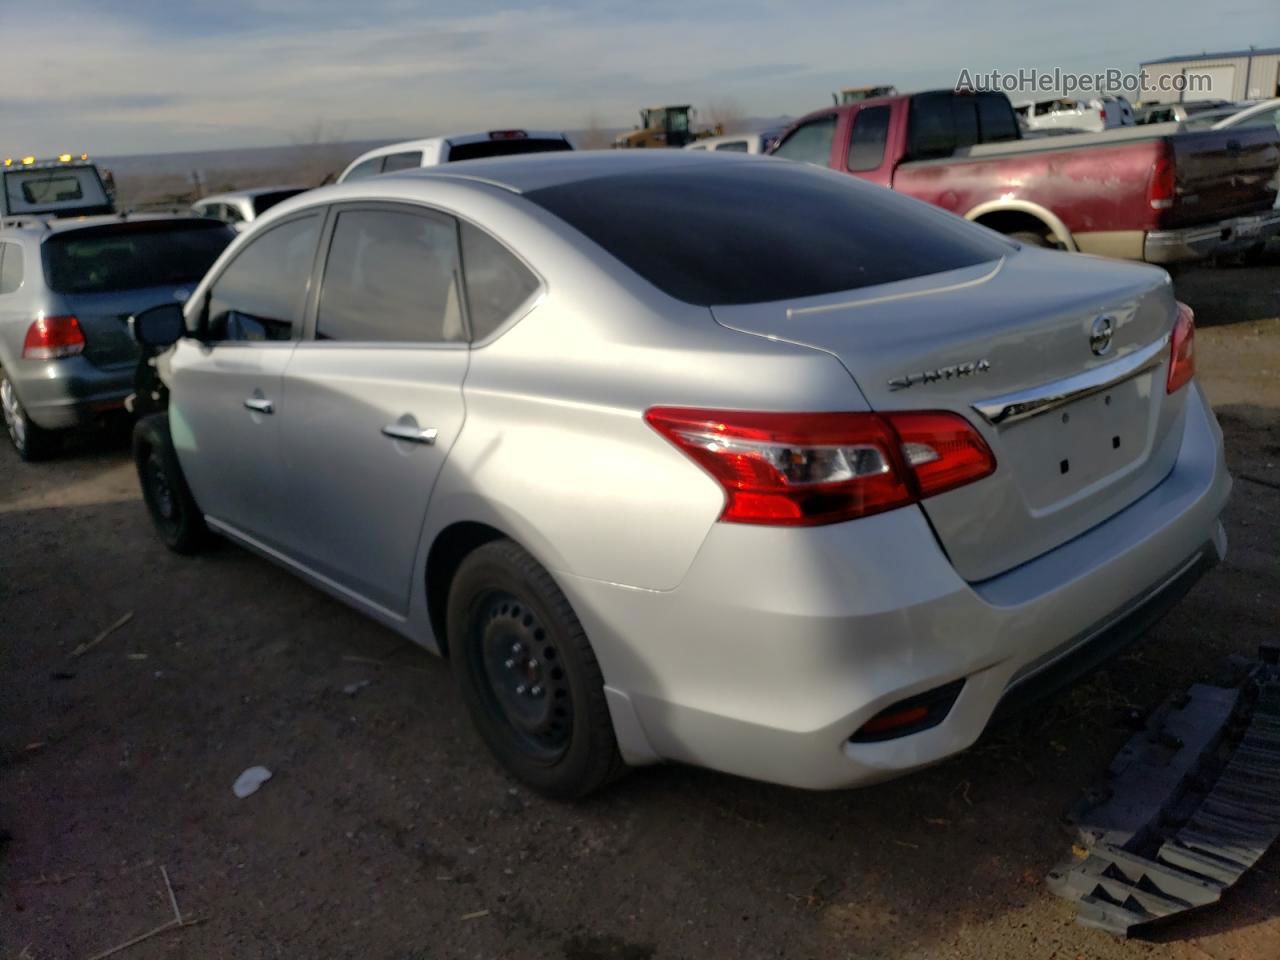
{"x": 159, "y": 326}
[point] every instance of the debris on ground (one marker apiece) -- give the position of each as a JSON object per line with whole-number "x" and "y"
{"x": 90, "y": 644}
{"x": 1187, "y": 807}
{"x": 351, "y": 689}
{"x": 248, "y": 782}
{"x": 177, "y": 921}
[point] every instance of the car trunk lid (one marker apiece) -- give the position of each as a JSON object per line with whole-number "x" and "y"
{"x": 1008, "y": 346}
{"x": 104, "y": 319}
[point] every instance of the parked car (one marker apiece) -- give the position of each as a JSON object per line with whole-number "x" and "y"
{"x": 67, "y": 288}
{"x": 1263, "y": 114}
{"x": 1068, "y": 113}
{"x": 1144, "y": 193}
{"x": 1149, "y": 113}
{"x": 807, "y": 494}
{"x": 64, "y": 186}
{"x": 759, "y": 142}
{"x": 239, "y": 208}
{"x": 465, "y": 146}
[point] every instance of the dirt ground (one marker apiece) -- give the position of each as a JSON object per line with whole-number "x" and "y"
{"x": 387, "y": 832}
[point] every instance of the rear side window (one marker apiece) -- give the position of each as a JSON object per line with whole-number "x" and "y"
{"x": 265, "y": 201}
{"x": 866, "y": 142}
{"x": 391, "y": 276}
{"x": 259, "y": 295}
{"x": 942, "y": 122}
{"x": 10, "y": 267}
{"x": 996, "y": 119}
{"x": 132, "y": 256}
{"x": 506, "y": 147}
{"x": 766, "y": 231}
{"x": 369, "y": 168}
{"x": 409, "y": 160}
{"x": 733, "y": 146}
{"x": 497, "y": 283}
{"x": 810, "y": 143}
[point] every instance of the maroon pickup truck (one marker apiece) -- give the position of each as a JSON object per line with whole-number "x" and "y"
{"x": 1143, "y": 193}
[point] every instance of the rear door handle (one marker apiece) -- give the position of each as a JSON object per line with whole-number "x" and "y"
{"x": 405, "y": 431}
{"x": 259, "y": 405}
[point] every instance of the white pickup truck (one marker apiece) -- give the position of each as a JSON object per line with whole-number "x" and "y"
{"x": 65, "y": 186}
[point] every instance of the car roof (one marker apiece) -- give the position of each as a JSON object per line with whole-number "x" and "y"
{"x": 725, "y": 138}
{"x": 527, "y": 172}
{"x": 247, "y": 194}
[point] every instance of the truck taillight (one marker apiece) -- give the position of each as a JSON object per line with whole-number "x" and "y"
{"x": 1163, "y": 187}
{"x": 1103, "y": 112}
{"x": 1182, "y": 362}
{"x": 50, "y": 338}
{"x": 808, "y": 469}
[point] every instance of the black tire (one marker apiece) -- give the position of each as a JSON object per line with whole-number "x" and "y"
{"x": 33, "y": 442}
{"x": 173, "y": 510}
{"x": 528, "y": 674}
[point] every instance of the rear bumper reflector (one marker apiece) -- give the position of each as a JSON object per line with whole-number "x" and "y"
{"x": 920, "y": 712}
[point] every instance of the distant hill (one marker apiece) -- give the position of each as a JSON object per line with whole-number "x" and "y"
{"x": 175, "y": 179}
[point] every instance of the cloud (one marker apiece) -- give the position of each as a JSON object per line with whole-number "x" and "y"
{"x": 153, "y": 75}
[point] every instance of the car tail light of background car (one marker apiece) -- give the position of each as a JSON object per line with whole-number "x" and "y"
{"x": 1182, "y": 362}
{"x": 1163, "y": 187}
{"x": 808, "y": 469}
{"x": 50, "y": 338}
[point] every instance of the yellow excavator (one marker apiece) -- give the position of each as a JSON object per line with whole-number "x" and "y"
{"x": 664, "y": 127}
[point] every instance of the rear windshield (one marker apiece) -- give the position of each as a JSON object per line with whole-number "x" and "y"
{"x": 265, "y": 201}
{"x": 131, "y": 256}
{"x": 769, "y": 230}
{"x": 52, "y": 189}
{"x": 504, "y": 148}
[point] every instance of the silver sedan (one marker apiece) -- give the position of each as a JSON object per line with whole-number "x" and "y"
{"x": 701, "y": 458}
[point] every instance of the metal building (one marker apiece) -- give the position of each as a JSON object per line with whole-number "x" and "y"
{"x": 1252, "y": 74}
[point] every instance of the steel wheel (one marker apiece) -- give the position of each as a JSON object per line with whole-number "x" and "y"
{"x": 526, "y": 686}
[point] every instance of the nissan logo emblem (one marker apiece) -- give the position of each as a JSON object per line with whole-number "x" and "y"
{"x": 1100, "y": 335}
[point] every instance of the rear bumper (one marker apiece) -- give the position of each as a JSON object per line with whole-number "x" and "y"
{"x": 780, "y": 644}
{"x": 70, "y": 392}
{"x": 1207, "y": 240}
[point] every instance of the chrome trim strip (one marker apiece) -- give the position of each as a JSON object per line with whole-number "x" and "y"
{"x": 1025, "y": 404}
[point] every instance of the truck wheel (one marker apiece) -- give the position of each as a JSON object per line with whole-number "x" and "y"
{"x": 32, "y": 441}
{"x": 528, "y": 674}
{"x": 173, "y": 510}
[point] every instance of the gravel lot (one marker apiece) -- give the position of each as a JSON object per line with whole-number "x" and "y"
{"x": 387, "y": 832}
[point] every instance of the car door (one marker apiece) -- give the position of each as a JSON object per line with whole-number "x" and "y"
{"x": 226, "y": 399}
{"x": 375, "y": 397}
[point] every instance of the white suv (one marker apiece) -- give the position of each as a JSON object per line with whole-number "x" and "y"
{"x": 467, "y": 146}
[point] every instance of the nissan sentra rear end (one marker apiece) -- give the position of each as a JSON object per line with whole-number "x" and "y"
{"x": 1016, "y": 477}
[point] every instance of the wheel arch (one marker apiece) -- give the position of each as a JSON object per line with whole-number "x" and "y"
{"x": 1007, "y": 216}
{"x": 449, "y": 548}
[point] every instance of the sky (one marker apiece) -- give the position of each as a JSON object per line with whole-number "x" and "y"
{"x": 146, "y": 76}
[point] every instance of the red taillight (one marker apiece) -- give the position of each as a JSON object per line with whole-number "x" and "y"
{"x": 807, "y": 469}
{"x": 1163, "y": 187}
{"x": 1104, "y": 115}
{"x": 1182, "y": 363}
{"x": 52, "y": 337}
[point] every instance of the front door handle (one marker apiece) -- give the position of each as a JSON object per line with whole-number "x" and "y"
{"x": 259, "y": 405}
{"x": 407, "y": 431}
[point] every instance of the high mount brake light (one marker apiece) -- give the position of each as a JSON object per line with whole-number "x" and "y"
{"x": 808, "y": 469}
{"x": 1182, "y": 360}
{"x": 51, "y": 338}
